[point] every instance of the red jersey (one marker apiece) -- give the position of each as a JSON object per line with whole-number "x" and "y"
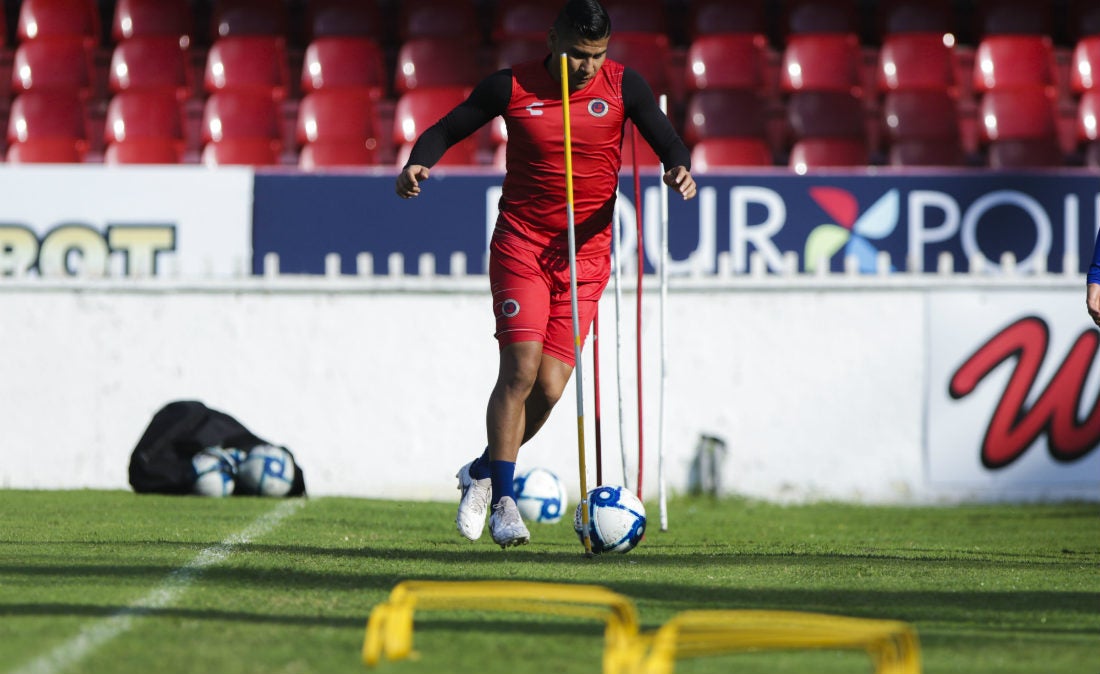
{"x": 533, "y": 205}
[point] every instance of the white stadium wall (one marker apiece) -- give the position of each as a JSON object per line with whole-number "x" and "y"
{"x": 822, "y": 387}
{"x": 139, "y": 286}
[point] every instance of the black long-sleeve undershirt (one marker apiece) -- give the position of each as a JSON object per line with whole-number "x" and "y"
{"x": 490, "y": 98}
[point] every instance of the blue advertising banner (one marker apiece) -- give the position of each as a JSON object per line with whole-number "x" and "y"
{"x": 1044, "y": 218}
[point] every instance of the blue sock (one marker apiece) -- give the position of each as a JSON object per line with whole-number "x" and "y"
{"x": 502, "y": 473}
{"x": 479, "y": 469}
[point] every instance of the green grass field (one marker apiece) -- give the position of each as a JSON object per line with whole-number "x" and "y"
{"x": 115, "y": 582}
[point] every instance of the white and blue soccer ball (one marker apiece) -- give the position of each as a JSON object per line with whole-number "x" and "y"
{"x": 231, "y": 454}
{"x": 616, "y": 519}
{"x": 214, "y": 475}
{"x": 266, "y": 471}
{"x": 540, "y": 496}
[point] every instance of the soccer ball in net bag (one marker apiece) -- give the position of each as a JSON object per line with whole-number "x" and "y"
{"x": 266, "y": 471}
{"x": 540, "y": 496}
{"x": 213, "y": 474}
{"x": 616, "y": 519}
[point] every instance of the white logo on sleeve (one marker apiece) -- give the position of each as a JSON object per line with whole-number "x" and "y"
{"x": 508, "y": 308}
{"x": 534, "y": 108}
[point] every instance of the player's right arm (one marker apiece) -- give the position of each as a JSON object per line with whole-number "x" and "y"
{"x": 488, "y": 99}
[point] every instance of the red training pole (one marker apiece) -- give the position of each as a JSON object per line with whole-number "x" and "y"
{"x": 596, "y": 394}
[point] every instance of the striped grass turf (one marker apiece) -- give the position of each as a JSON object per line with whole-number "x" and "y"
{"x": 991, "y": 588}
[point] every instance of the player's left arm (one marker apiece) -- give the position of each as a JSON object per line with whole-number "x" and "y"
{"x": 642, "y": 109}
{"x": 1092, "y": 301}
{"x": 1092, "y": 287}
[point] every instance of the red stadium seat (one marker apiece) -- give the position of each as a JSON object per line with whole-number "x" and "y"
{"x": 829, "y": 129}
{"x": 336, "y": 115}
{"x": 143, "y": 151}
{"x": 712, "y": 153}
{"x": 455, "y": 19}
{"x": 1006, "y": 61}
{"x": 1012, "y": 17}
{"x": 240, "y": 152}
{"x": 827, "y": 62}
{"x": 249, "y": 17}
{"x": 524, "y": 19}
{"x": 37, "y": 115}
{"x": 435, "y": 62}
{"x": 826, "y": 114}
{"x": 143, "y": 114}
{"x": 233, "y": 115}
{"x": 518, "y": 50}
{"x": 922, "y": 128}
{"x": 328, "y": 154}
{"x": 916, "y": 61}
{"x": 257, "y": 62}
{"x": 915, "y": 16}
{"x": 148, "y": 18}
{"x": 821, "y": 16}
{"x": 154, "y": 62}
{"x": 727, "y": 61}
{"x": 724, "y": 113}
{"x": 648, "y": 53}
{"x": 1085, "y": 69}
{"x": 46, "y": 151}
{"x": 344, "y": 62}
{"x": 708, "y": 17}
{"x": 1088, "y": 117}
{"x": 1020, "y": 128}
{"x": 344, "y": 18}
{"x": 59, "y": 18}
{"x": 416, "y": 110}
{"x": 814, "y": 153}
{"x": 61, "y": 63}
{"x": 1088, "y": 126}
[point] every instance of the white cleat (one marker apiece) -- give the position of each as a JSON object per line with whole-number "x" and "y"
{"x": 474, "y": 504}
{"x": 506, "y": 525}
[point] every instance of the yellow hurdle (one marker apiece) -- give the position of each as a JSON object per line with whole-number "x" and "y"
{"x": 390, "y": 626}
{"x": 891, "y": 645}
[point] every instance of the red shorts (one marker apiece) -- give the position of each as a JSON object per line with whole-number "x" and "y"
{"x": 531, "y": 295}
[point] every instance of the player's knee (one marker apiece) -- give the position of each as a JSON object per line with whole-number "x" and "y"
{"x": 549, "y": 392}
{"x": 519, "y": 375}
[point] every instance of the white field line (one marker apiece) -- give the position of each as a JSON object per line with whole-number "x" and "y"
{"x": 95, "y": 635}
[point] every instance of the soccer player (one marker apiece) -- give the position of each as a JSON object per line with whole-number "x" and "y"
{"x": 529, "y": 252}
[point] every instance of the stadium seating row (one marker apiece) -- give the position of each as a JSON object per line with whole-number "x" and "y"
{"x": 822, "y": 99}
{"x": 389, "y": 21}
{"x": 915, "y": 106}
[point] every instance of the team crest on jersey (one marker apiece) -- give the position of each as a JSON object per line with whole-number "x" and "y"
{"x": 598, "y": 107}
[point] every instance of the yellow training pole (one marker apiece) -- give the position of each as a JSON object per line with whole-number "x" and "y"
{"x": 573, "y": 299}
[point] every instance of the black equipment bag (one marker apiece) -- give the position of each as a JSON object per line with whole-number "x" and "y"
{"x": 161, "y": 461}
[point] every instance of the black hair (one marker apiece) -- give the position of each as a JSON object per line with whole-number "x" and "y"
{"x": 587, "y": 19}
